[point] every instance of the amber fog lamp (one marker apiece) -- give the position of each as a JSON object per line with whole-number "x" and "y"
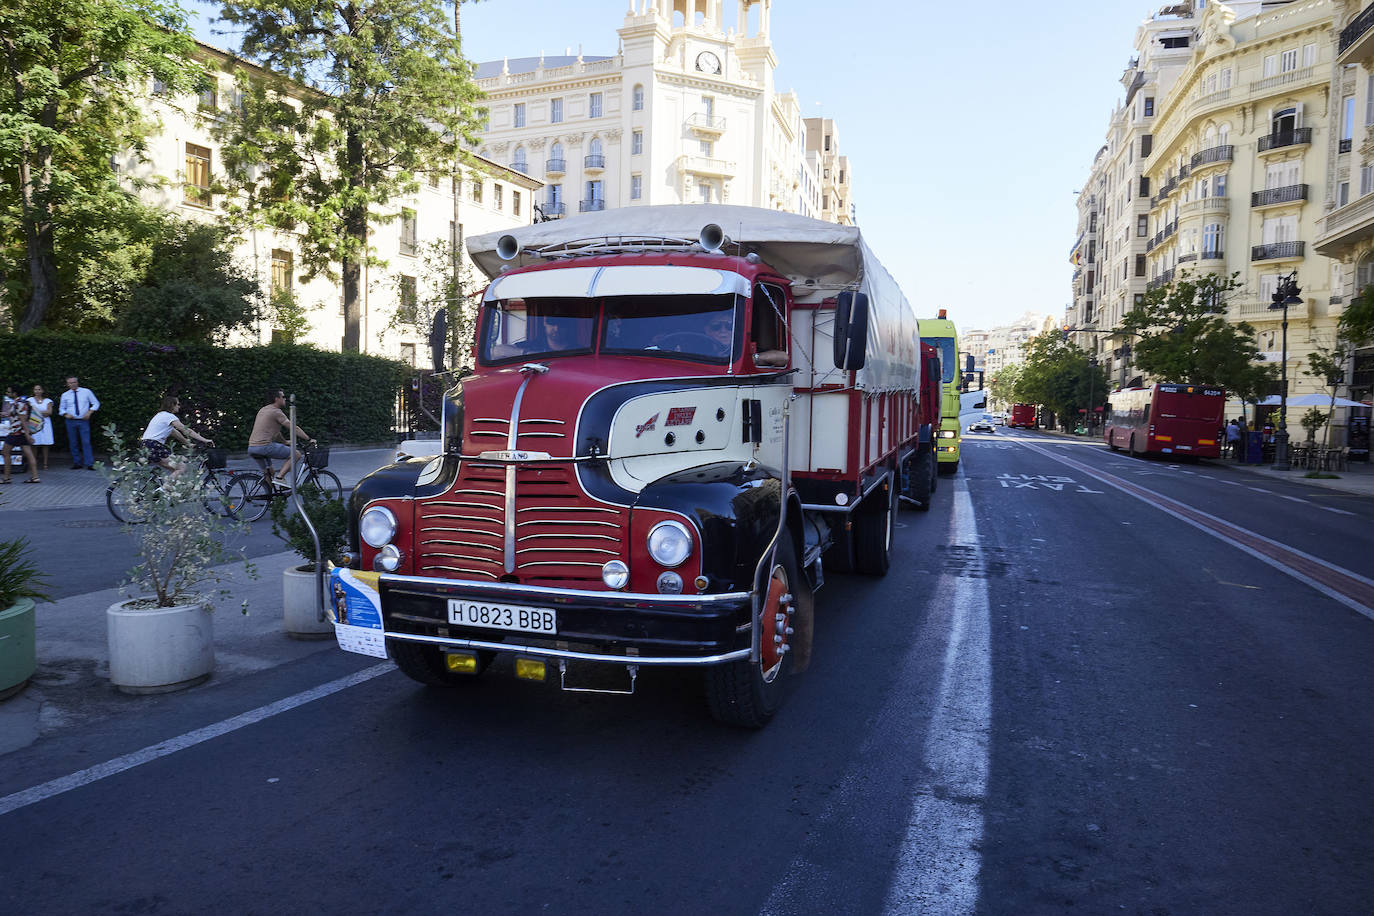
{"x": 461, "y": 662}
{"x": 377, "y": 526}
{"x": 530, "y": 669}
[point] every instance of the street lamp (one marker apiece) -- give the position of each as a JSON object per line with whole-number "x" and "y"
{"x": 1285, "y": 294}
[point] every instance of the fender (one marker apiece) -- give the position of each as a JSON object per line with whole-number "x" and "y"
{"x": 925, "y": 436}
{"x": 395, "y": 481}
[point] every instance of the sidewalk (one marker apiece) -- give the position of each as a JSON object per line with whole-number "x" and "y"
{"x": 63, "y": 488}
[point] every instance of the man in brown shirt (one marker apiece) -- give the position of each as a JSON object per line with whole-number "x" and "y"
{"x": 268, "y": 439}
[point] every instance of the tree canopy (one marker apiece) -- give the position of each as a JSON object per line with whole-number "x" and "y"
{"x": 390, "y": 98}
{"x": 1060, "y": 375}
{"x": 1183, "y": 335}
{"x": 71, "y": 72}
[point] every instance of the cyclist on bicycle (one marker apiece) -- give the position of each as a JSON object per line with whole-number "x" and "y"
{"x": 269, "y": 439}
{"x": 164, "y": 425}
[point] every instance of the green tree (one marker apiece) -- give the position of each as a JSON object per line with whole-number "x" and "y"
{"x": 1357, "y": 321}
{"x": 390, "y": 97}
{"x": 193, "y": 290}
{"x": 1002, "y": 388}
{"x": 1060, "y": 375}
{"x": 1327, "y": 364}
{"x": 71, "y": 72}
{"x": 435, "y": 291}
{"x": 289, "y": 317}
{"x": 1184, "y": 336}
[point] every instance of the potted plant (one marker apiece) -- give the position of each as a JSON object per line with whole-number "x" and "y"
{"x": 300, "y": 601}
{"x": 163, "y": 638}
{"x": 20, "y": 587}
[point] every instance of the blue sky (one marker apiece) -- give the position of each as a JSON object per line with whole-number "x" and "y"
{"x": 968, "y": 126}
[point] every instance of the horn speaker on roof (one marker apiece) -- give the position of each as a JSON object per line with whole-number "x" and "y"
{"x": 712, "y": 237}
{"x": 507, "y": 248}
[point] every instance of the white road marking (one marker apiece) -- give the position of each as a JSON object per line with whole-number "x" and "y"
{"x": 1295, "y": 499}
{"x": 181, "y": 742}
{"x": 1337, "y": 511}
{"x": 940, "y": 859}
{"x": 1259, "y": 489}
{"x": 1231, "y": 483}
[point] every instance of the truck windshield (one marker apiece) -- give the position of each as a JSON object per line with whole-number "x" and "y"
{"x": 523, "y": 329}
{"x": 699, "y": 328}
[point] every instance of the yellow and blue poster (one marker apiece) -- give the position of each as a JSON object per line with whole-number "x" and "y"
{"x": 356, "y": 605}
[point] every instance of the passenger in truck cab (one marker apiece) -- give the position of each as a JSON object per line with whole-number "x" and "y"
{"x": 720, "y": 329}
{"x": 566, "y": 333}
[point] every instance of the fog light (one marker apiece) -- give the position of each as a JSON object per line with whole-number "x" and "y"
{"x": 670, "y": 583}
{"x": 388, "y": 559}
{"x": 461, "y": 662}
{"x": 530, "y": 669}
{"x": 615, "y": 574}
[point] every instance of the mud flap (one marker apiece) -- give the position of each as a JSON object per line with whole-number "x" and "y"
{"x": 803, "y": 628}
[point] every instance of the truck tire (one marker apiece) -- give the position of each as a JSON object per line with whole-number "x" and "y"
{"x": 426, "y": 664}
{"x": 746, "y": 693}
{"x": 921, "y": 476}
{"x": 874, "y": 525}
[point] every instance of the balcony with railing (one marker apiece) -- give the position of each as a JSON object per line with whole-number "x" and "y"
{"x": 1213, "y": 156}
{"x": 553, "y": 209}
{"x": 1277, "y": 251}
{"x": 705, "y": 125}
{"x": 1205, "y": 206}
{"x": 1346, "y": 228}
{"x": 1185, "y": 258}
{"x": 1284, "y": 138}
{"x": 1357, "y": 38}
{"x": 589, "y": 206}
{"x": 555, "y": 166}
{"x": 593, "y": 163}
{"x": 705, "y": 165}
{"x": 1163, "y": 279}
{"x": 1170, "y": 230}
{"x": 1211, "y": 255}
{"x": 1271, "y": 197}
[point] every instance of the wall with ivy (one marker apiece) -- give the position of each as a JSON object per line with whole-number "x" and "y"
{"x": 341, "y": 398}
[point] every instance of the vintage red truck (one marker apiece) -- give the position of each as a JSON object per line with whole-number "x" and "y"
{"x": 678, "y": 417}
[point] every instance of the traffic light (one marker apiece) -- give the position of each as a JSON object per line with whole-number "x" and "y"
{"x": 1064, "y": 334}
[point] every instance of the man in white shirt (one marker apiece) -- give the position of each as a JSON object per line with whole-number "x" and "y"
{"x": 78, "y": 404}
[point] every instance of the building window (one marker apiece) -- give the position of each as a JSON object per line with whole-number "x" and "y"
{"x": 434, "y": 180}
{"x": 207, "y": 99}
{"x": 408, "y": 354}
{"x": 497, "y": 196}
{"x": 520, "y": 165}
{"x": 477, "y": 190}
{"x": 1309, "y": 55}
{"x": 519, "y": 114}
{"x": 1140, "y": 265}
{"x": 1342, "y": 193}
{"x": 408, "y": 232}
{"x": 556, "y": 111}
{"x": 1219, "y": 186}
{"x": 596, "y": 190}
{"x": 515, "y": 202}
{"x": 637, "y": 97}
{"x": 594, "y": 105}
{"x": 1271, "y": 66}
{"x": 1347, "y": 121}
{"x": 827, "y": 143}
{"x": 636, "y": 187}
{"x": 1142, "y": 225}
{"x": 1226, "y": 78}
{"x": 704, "y": 192}
{"x": 1366, "y": 179}
{"x": 1288, "y": 61}
{"x": 197, "y": 189}
{"x": 159, "y": 87}
{"x": 1138, "y": 299}
{"x": 407, "y": 307}
{"x": 554, "y": 199}
{"x": 1146, "y": 144}
{"x": 707, "y": 147}
{"x": 1149, "y": 106}
{"x": 283, "y": 271}
{"x": 636, "y": 142}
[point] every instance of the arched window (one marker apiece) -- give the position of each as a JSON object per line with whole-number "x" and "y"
{"x": 637, "y": 98}
{"x": 556, "y": 151}
{"x": 519, "y": 164}
{"x": 1364, "y": 273}
{"x": 1285, "y": 121}
{"x": 596, "y": 146}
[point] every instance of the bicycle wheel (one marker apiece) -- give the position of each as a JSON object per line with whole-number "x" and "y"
{"x": 218, "y": 485}
{"x": 255, "y": 496}
{"x": 124, "y": 498}
{"x": 328, "y": 483}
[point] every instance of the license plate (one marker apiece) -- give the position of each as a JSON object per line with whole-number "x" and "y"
{"x": 520, "y": 618}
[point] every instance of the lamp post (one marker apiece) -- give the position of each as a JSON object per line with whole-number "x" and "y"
{"x": 1285, "y": 294}
{"x": 1092, "y": 378}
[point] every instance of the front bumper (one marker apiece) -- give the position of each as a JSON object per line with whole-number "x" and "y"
{"x": 644, "y": 629}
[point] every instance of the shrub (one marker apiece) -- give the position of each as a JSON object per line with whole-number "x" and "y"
{"x": 329, "y": 516}
{"x": 19, "y": 578}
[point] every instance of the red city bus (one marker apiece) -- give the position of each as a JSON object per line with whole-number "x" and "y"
{"x": 1023, "y": 416}
{"x": 1166, "y": 419}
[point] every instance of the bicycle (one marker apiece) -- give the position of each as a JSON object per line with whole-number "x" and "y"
{"x": 262, "y": 487}
{"x": 225, "y": 494}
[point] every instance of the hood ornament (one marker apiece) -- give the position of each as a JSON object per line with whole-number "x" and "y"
{"x": 533, "y": 369}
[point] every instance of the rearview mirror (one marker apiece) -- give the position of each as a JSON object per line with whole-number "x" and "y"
{"x": 438, "y": 337}
{"x": 851, "y": 330}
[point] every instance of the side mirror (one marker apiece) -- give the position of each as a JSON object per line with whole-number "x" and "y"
{"x": 851, "y": 330}
{"x": 438, "y": 337}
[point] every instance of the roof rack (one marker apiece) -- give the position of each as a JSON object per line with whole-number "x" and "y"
{"x": 610, "y": 244}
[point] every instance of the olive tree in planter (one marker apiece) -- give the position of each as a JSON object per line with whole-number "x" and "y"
{"x": 20, "y": 586}
{"x": 300, "y": 600}
{"x": 163, "y": 638}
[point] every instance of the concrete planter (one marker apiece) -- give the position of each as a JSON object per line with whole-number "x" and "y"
{"x": 160, "y": 649}
{"x": 17, "y": 656}
{"x": 300, "y": 606}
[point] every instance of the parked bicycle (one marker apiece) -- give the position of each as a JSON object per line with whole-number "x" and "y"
{"x": 225, "y": 492}
{"x": 261, "y": 487}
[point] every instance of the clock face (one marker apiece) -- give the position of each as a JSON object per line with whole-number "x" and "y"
{"x": 708, "y": 62}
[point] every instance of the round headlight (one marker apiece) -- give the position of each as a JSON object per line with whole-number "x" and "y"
{"x": 615, "y": 574}
{"x": 377, "y": 526}
{"x": 388, "y": 559}
{"x": 669, "y": 543}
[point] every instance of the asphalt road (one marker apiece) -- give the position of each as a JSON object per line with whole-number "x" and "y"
{"x": 1061, "y": 698}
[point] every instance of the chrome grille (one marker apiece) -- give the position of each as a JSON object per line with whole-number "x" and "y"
{"x": 560, "y": 534}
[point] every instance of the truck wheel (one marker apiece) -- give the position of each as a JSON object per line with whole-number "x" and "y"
{"x": 426, "y": 664}
{"x": 873, "y": 528}
{"x": 747, "y": 693}
{"x": 921, "y": 478}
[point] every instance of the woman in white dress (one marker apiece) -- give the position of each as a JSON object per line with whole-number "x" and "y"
{"x": 42, "y": 406}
